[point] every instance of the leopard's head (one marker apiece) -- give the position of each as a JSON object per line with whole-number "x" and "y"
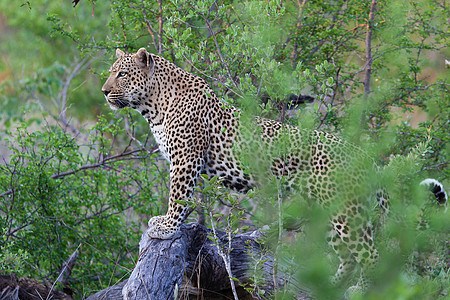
{"x": 129, "y": 80}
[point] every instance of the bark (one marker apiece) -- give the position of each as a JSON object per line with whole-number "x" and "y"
{"x": 111, "y": 293}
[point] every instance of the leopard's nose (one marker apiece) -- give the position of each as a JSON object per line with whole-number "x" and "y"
{"x": 106, "y": 92}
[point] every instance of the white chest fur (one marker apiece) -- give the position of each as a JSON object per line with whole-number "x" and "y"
{"x": 158, "y": 134}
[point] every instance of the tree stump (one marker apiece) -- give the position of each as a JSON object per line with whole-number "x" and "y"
{"x": 190, "y": 266}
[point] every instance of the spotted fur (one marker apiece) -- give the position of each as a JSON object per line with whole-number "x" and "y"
{"x": 197, "y": 133}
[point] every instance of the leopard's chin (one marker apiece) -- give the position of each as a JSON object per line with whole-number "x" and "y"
{"x": 116, "y": 104}
{"x": 113, "y": 105}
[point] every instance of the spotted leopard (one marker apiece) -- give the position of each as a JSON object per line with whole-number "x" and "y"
{"x": 197, "y": 133}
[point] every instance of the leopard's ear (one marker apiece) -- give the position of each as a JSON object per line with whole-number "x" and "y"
{"x": 143, "y": 59}
{"x": 119, "y": 53}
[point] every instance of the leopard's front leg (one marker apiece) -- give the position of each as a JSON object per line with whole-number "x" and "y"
{"x": 187, "y": 161}
{"x": 181, "y": 185}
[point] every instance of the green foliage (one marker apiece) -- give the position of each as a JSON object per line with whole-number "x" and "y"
{"x": 12, "y": 260}
{"x": 61, "y": 194}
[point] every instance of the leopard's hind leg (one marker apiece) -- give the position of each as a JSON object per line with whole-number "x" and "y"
{"x": 354, "y": 231}
{"x": 347, "y": 261}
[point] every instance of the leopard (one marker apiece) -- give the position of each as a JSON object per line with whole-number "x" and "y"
{"x": 198, "y": 133}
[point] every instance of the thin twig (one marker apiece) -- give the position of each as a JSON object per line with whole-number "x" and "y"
{"x": 210, "y": 77}
{"x": 226, "y": 258}
{"x": 437, "y": 166}
{"x": 150, "y": 28}
{"x": 333, "y": 97}
{"x": 60, "y": 274}
{"x": 219, "y": 51}
{"x": 62, "y": 95}
{"x": 150, "y": 152}
{"x": 280, "y": 235}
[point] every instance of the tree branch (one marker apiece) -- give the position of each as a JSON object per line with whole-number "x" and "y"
{"x": 369, "y": 60}
{"x": 110, "y": 159}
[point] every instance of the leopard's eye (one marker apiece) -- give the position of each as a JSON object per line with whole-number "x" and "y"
{"x": 121, "y": 74}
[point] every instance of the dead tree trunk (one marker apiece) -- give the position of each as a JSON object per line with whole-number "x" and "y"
{"x": 190, "y": 263}
{"x": 189, "y": 266}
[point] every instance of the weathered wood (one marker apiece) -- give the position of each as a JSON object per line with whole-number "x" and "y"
{"x": 191, "y": 260}
{"x": 190, "y": 267}
{"x": 111, "y": 293}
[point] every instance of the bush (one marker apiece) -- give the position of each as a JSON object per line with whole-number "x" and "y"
{"x": 64, "y": 195}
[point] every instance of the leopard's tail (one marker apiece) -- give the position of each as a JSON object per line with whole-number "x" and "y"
{"x": 437, "y": 189}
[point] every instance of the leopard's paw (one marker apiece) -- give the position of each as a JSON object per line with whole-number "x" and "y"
{"x": 354, "y": 290}
{"x": 160, "y": 228}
